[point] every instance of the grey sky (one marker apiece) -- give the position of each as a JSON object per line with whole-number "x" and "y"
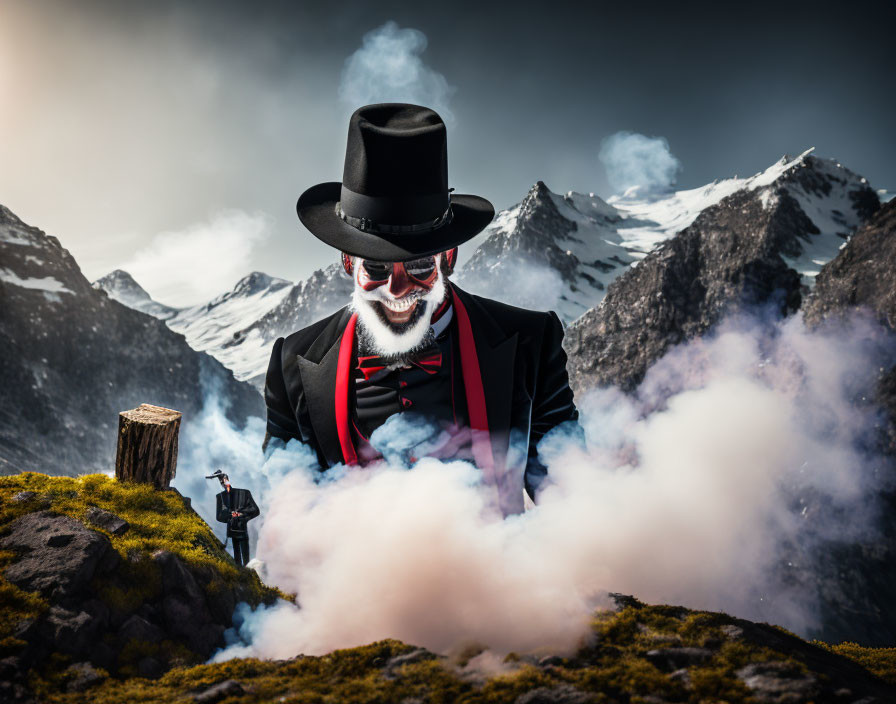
{"x": 120, "y": 122}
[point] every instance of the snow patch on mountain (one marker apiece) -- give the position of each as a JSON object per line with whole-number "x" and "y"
{"x": 213, "y": 326}
{"x": 553, "y": 252}
{"x": 47, "y": 283}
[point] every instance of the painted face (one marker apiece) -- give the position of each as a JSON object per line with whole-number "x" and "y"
{"x": 407, "y": 283}
{"x": 395, "y": 300}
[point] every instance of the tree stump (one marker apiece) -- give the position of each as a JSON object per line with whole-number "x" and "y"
{"x": 147, "y": 445}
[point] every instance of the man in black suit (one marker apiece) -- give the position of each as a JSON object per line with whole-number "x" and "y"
{"x": 489, "y": 379}
{"x": 236, "y": 508}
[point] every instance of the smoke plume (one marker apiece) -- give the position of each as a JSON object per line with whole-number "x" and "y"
{"x": 190, "y": 266}
{"x": 705, "y": 488}
{"x": 388, "y": 69}
{"x": 635, "y": 160}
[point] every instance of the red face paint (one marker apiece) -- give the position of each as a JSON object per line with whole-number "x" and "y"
{"x": 402, "y": 285}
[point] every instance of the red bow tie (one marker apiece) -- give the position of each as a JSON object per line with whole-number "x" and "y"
{"x": 429, "y": 360}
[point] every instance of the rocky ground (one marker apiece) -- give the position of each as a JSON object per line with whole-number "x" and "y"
{"x": 114, "y": 593}
{"x": 101, "y": 578}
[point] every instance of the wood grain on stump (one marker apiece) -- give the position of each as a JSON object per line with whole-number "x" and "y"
{"x": 147, "y": 445}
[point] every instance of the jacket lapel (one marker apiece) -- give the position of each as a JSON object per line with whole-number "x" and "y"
{"x": 319, "y": 383}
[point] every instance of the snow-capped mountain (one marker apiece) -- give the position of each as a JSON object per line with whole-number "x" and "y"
{"x": 322, "y": 293}
{"x": 239, "y": 327}
{"x": 548, "y": 252}
{"x": 214, "y": 327}
{"x": 121, "y": 286}
{"x": 560, "y": 252}
{"x": 73, "y": 359}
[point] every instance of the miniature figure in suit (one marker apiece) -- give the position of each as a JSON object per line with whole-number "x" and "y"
{"x": 236, "y": 508}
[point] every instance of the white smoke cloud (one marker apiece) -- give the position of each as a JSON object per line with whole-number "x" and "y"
{"x": 703, "y": 489}
{"x": 633, "y": 159}
{"x": 192, "y": 265}
{"x": 388, "y": 68}
{"x": 524, "y": 282}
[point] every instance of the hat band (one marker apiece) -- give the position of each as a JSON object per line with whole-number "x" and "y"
{"x": 368, "y": 225}
{"x": 403, "y": 209}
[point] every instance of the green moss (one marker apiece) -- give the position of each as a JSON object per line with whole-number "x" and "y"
{"x": 158, "y": 520}
{"x": 880, "y": 661}
{"x": 612, "y": 668}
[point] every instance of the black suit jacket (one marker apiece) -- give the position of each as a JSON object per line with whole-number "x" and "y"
{"x": 524, "y": 378}
{"x": 238, "y": 500}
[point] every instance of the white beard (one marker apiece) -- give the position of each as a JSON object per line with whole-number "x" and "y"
{"x": 375, "y": 336}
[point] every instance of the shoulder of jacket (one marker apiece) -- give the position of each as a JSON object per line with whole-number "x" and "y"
{"x": 298, "y": 342}
{"x": 513, "y": 318}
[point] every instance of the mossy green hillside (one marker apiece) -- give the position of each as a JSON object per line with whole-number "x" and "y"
{"x": 158, "y": 520}
{"x": 613, "y": 667}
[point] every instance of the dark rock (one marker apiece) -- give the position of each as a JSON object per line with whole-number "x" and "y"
{"x": 862, "y": 274}
{"x": 177, "y": 578}
{"x": 624, "y": 601}
{"x": 25, "y": 629}
{"x": 857, "y": 578}
{"x": 682, "y": 677}
{"x": 393, "y": 664}
{"x": 139, "y": 629}
{"x": 58, "y": 556}
{"x": 217, "y": 692}
{"x": 551, "y": 661}
{"x": 670, "y": 659}
{"x": 728, "y": 259}
{"x": 731, "y": 631}
{"x": 418, "y": 655}
{"x": 23, "y": 496}
{"x": 207, "y": 639}
{"x": 11, "y": 668}
{"x": 98, "y": 611}
{"x": 85, "y": 677}
{"x": 69, "y": 631}
{"x": 564, "y": 694}
{"x": 107, "y": 521}
{"x": 778, "y": 682}
{"x": 150, "y": 668}
{"x": 14, "y": 693}
{"x": 102, "y": 655}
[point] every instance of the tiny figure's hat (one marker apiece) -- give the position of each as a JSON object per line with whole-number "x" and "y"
{"x": 393, "y": 203}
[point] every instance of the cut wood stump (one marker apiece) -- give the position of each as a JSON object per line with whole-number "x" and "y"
{"x": 147, "y": 445}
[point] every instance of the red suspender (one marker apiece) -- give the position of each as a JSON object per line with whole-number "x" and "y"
{"x": 343, "y": 379}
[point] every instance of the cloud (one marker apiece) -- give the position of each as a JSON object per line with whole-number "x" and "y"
{"x": 388, "y": 68}
{"x": 190, "y": 266}
{"x": 719, "y": 486}
{"x": 632, "y": 159}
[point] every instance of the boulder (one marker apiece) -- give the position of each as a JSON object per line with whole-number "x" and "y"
{"x": 671, "y": 659}
{"x": 107, "y": 521}
{"x": 217, "y": 692}
{"x": 778, "y": 682}
{"x": 70, "y": 631}
{"x": 85, "y": 677}
{"x": 58, "y": 556}
{"x": 564, "y": 694}
{"x": 139, "y": 629}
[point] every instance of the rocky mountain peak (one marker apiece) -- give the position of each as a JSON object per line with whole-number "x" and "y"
{"x": 256, "y": 282}
{"x": 122, "y": 282}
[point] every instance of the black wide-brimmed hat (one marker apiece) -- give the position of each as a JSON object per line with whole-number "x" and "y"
{"x": 394, "y": 203}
